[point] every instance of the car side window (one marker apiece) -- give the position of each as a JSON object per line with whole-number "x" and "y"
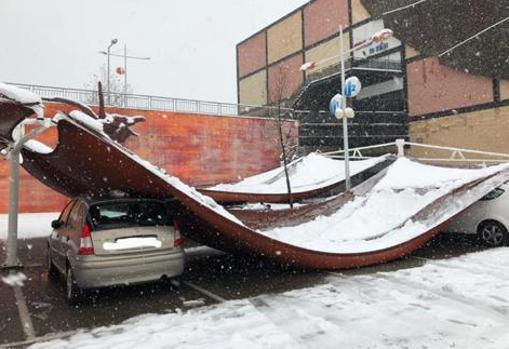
{"x": 76, "y": 216}
{"x": 492, "y": 195}
{"x": 65, "y": 213}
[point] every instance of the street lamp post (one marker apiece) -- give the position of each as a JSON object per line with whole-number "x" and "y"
{"x": 354, "y": 87}
{"x": 112, "y": 42}
{"x": 125, "y": 57}
{"x": 343, "y": 108}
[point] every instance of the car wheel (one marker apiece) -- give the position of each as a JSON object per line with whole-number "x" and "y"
{"x": 52, "y": 270}
{"x": 492, "y": 233}
{"x": 73, "y": 291}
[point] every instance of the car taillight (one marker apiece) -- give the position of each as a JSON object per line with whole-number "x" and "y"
{"x": 86, "y": 246}
{"x": 178, "y": 238}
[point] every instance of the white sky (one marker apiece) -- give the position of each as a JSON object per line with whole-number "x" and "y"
{"x": 191, "y": 42}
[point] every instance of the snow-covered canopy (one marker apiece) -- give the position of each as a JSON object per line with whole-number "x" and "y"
{"x": 382, "y": 218}
{"x": 307, "y": 173}
{"x": 22, "y": 96}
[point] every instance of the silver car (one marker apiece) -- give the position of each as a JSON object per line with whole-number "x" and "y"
{"x": 97, "y": 243}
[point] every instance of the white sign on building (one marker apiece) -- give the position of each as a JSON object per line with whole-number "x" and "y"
{"x": 365, "y": 32}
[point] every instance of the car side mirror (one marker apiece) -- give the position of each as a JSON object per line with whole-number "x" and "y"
{"x": 56, "y": 224}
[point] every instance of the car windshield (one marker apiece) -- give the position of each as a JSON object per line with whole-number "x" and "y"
{"x": 115, "y": 215}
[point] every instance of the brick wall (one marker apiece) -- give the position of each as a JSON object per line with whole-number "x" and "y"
{"x": 433, "y": 87}
{"x": 199, "y": 149}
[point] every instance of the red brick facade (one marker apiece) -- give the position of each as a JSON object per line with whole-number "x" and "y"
{"x": 252, "y": 54}
{"x": 199, "y": 149}
{"x": 322, "y": 19}
{"x": 285, "y": 74}
{"x": 433, "y": 87}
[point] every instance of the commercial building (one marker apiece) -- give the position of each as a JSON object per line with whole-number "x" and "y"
{"x": 417, "y": 85}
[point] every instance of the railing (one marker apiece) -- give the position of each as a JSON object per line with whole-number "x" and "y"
{"x": 135, "y": 101}
{"x": 456, "y": 154}
{"x": 380, "y": 64}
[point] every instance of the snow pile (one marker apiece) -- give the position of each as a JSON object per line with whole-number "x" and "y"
{"x": 381, "y": 218}
{"x": 30, "y": 225}
{"x": 22, "y": 96}
{"x": 308, "y": 173}
{"x": 456, "y": 303}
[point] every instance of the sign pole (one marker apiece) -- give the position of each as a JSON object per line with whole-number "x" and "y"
{"x": 343, "y": 107}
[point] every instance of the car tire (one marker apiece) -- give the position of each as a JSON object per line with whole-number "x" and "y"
{"x": 52, "y": 270}
{"x": 73, "y": 291}
{"x": 492, "y": 233}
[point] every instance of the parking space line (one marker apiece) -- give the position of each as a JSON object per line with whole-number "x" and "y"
{"x": 204, "y": 291}
{"x": 38, "y": 339}
{"x": 24, "y": 314}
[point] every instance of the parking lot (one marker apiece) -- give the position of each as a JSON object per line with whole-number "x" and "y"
{"x": 209, "y": 278}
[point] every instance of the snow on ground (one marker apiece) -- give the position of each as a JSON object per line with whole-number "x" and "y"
{"x": 373, "y": 221}
{"x": 456, "y": 303}
{"x": 307, "y": 173}
{"x": 30, "y": 225}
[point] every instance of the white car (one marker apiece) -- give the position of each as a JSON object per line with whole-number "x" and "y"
{"x": 488, "y": 218}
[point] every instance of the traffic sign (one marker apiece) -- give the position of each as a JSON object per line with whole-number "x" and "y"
{"x": 335, "y": 104}
{"x": 352, "y": 86}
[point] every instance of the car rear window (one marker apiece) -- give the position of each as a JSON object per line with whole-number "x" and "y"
{"x": 128, "y": 214}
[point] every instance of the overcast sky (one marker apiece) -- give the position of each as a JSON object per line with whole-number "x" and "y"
{"x": 191, "y": 42}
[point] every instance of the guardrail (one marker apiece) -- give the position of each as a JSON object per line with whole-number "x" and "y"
{"x": 136, "y": 101}
{"x": 456, "y": 154}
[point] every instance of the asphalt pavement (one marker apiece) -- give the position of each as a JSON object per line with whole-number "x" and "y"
{"x": 209, "y": 278}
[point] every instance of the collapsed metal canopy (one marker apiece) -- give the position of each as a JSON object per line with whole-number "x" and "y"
{"x": 87, "y": 161}
{"x": 434, "y": 26}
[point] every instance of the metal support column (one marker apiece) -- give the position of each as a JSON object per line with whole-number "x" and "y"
{"x": 11, "y": 260}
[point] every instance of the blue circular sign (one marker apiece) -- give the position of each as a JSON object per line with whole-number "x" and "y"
{"x": 335, "y": 103}
{"x": 352, "y": 86}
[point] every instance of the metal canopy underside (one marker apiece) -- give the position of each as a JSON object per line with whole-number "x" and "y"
{"x": 434, "y": 26}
